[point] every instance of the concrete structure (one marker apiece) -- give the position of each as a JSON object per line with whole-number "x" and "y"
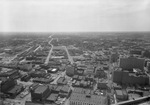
{"x": 65, "y": 91}
{"x": 42, "y": 80}
{"x": 10, "y": 74}
{"x": 62, "y": 81}
{"x": 52, "y": 98}
{"x": 137, "y": 101}
{"x": 40, "y": 93}
{"x": 17, "y": 89}
{"x": 124, "y": 77}
{"x": 7, "y": 85}
{"x": 25, "y": 78}
{"x": 131, "y": 62}
{"x": 87, "y": 99}
{"x": 121, "y": 94}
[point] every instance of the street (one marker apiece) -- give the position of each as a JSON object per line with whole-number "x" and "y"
{"x": 37, "y": 48}
{"x": 69, "y": 57}
{"x": 17, "y": 55}
{"x": 50, "y": 51}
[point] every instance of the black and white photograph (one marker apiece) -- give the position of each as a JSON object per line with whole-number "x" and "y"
{"x": 74, "y": 52}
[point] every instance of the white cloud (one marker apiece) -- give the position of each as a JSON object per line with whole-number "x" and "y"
{"x": 74, "y": 15}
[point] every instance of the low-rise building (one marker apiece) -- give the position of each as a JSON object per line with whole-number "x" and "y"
{"x": 43, "y": 80}
{"x": 65, "y": 91}
{"x": 62, "y": 81}
{"x": 52, "y": 98}
{"x": 10, "y": 74}
{"x": 13, "y": 92}
{"x": 7, "y": 85}
{"x": 40, "y": 93}
{"x": 121, "y": 94}
{"x": 87, "y": 99}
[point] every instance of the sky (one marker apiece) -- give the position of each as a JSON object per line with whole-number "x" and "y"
{"x": 74, "y": 15}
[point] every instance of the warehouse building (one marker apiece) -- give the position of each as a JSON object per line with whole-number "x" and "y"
{"x": 57, "y": 89}
{"x": 52, "y": 98}
{"x": 87, "y": 99}
{"x": 62, "y": 81}
{"x": 10, "y": 74}
{"x": 65, "y": 91}
{"x": 42, "y": 80}
{"x": 39, "y": 74}
{"x": 10, "y": 87}
{"x": 13, "y": 92}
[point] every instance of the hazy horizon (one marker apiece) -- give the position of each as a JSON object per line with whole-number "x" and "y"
{"x": 75, "y": 16}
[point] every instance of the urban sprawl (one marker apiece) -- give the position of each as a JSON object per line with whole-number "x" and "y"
{"x": 74, "y": 69}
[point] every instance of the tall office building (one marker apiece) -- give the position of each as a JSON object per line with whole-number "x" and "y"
{"x": 125, "y": 77}
{"x": 131, "y": 62}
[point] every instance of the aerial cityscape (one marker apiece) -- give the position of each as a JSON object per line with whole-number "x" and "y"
{"x": 75, "y": 68}
{"x": 74, "y": 52}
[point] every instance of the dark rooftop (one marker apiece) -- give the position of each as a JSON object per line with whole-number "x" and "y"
{"x": 40, "y": 89}
{"x": 52, "y": 97}
{"x": 65, "y": 88}
{"x": 16, "y": 89}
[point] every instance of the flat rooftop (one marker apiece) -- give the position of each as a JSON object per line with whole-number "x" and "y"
{"x": 52, "y": 97}
{"x": 93, "y": 99}
{"x": 40, "y": 89}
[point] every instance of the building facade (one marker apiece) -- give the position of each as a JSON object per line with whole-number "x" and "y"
{"x": 131, "y": 62}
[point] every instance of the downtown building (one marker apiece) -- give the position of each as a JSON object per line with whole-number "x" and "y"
{"x": 129, "y": 63}
{"x": 126, "y": 77}
{"x": 86, "y": 97}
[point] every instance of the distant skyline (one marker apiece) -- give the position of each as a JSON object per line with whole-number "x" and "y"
{"x": 74, "y": 15}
